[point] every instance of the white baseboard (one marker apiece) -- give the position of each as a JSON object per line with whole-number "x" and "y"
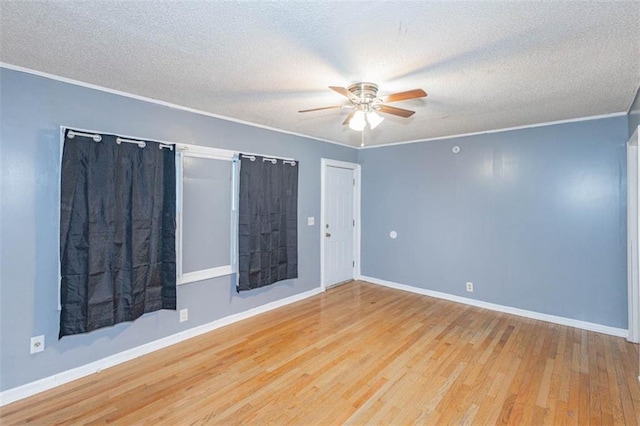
{"x": 584, "y": 325}
{"x": 11, "y": 395}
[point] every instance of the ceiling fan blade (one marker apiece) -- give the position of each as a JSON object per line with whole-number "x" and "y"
{"x": 349, "y": 117}
{"x": 401, "y": 96}
{"x": 320, "y": 109}
{"x": 344, "y": 92}
{"x": 396, "y": 111}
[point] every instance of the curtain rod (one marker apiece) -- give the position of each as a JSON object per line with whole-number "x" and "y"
{"x": 97, "y": 137}
{"x": 141, "y": 144}
{"x": 72, "y": 134}
{"x": 272, "y": 160}
{"x": 253, "y": 154}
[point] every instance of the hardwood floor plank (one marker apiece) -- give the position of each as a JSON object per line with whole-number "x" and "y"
{"x": 361, "y": 354}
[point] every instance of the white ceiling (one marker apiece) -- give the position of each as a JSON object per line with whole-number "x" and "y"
{"x": 485, "y": 65}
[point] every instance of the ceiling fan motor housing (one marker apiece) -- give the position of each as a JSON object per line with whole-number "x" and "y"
{"x": 364, "y": 93}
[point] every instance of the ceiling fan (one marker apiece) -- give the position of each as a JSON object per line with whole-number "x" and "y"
{"x": 365, "y": 104}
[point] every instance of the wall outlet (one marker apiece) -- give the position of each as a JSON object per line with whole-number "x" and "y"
{"x": 37, "y": 344}
{"x": 470, "y": 287}
{"x": 184, "y": 315}
{"x": 311, "y": 221}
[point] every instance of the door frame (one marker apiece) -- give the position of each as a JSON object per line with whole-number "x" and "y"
{"x": 324, "y": 164}
{"x": 633, "y": 236}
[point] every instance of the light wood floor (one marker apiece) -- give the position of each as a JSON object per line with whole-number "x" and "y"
{"x": 358, "y": 354}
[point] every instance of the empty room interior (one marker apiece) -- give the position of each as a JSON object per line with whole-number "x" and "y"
{"x": 319, "y": 213}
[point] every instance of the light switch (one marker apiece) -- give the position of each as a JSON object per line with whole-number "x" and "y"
{"x": 311, "y": 221}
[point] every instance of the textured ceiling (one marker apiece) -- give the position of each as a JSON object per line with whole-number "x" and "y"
{"x": 485, "y": 65}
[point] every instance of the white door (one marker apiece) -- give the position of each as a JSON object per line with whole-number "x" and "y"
{"x": 339, "y": 225}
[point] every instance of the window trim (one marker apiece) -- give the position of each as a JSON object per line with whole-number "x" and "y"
{"x": 211, "y": 154}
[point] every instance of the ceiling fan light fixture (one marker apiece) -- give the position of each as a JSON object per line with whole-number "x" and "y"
{"x": 358, "y": 121}
{"x": 374, "y": 119}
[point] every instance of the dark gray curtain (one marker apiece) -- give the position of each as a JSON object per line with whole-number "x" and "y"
{"x": 117, "y": 232}
{"x": 267, "y": 223}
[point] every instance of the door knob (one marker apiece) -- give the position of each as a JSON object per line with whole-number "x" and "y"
{"x": 327, "y": 235}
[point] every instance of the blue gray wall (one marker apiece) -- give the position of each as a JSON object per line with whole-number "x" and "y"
{"x": 634, "y": 114}
{"x": 535, "y": 218}
{"x": 32, "y": 109}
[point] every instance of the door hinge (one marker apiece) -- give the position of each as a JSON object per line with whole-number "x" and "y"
{"x": 353, "y": 264}
{"x": 354, "y": 182}
{"x": 354, "y": 222}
